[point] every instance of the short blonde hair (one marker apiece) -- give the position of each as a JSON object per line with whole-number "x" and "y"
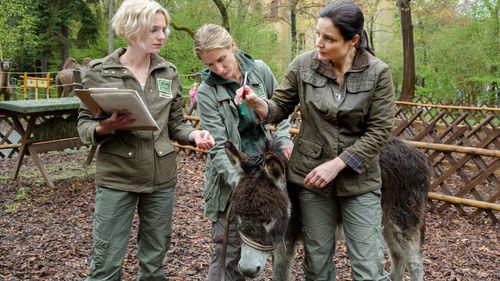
{"x": 135, "y": 18}
{"x": 210, "y": 37}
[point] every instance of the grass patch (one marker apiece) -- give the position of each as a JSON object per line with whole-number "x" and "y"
{"x": 21, "y": 196}
{"x": 11, "y": 208}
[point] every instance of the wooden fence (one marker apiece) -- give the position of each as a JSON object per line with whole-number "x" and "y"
{"x": 461, "y": 143}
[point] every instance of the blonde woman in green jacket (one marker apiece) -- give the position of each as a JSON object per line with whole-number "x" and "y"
{"x": 136, "y": 169}
{"x": 346, "y": 100}
{"x": 225, "y": 72}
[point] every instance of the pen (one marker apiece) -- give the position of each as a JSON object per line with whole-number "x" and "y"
{"x": 104, "y": 116}
{"x": 100, "y": 117}
{"x": 243, "y": 95}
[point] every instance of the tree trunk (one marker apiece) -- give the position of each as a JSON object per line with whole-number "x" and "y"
{"x": 223, "y": 14}
{"x": 65, "y": 43}
{"x": 111, "y": 35}
{"x": 408, "y": 89}
{"x": 293, "y": 28}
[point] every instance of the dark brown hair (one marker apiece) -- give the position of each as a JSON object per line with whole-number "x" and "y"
{"x": 349, "y": 19}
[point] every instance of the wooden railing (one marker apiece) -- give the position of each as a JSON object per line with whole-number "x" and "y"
{"x": 461, "y": 143}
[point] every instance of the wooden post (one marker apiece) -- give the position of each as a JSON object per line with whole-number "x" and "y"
{"x": 25, "y": 83}
{"x": 47, "y": 86}
{"x": 13, "y": 83}
{"x": 464, "y": 201}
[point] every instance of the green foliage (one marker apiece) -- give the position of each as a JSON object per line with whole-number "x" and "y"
{"x": 456, "y": 42}
{"x": 249, "y": 30}
{"x": 454, "y": 59}
{"x": 456, "y": 55}
{"x": 18, "y": 36}
{"x": 33, "y": 30}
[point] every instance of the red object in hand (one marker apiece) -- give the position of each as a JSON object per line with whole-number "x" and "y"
{"x": 245, "y": 92}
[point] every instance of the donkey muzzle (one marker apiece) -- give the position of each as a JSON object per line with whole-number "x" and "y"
{"x": 252, "y": 261}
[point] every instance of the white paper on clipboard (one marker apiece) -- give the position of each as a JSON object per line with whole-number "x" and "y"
{"x": 109, "y": 100}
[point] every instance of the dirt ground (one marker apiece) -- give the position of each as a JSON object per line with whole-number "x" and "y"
{"x": 45, "y": 233}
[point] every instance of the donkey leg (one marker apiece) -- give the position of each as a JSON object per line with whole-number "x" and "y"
{"x": 397, "y": 250}
{"x": 283, "y": 258}
{"x": 415, "y": 261}
{"x": 397, "y": 266}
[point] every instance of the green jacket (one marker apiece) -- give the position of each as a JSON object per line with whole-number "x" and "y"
{"x": 355, "y": 126}
{"x": 137, "y": 161}
{"x": 219, "y": 116}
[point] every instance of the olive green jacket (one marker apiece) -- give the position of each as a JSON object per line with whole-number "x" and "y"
{"x": 137, "y": 161}
{"x": 356, "y": 126}
{"x": 219, "y": 115}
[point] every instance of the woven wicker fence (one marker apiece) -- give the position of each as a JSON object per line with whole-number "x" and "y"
{"x": 461, "y": 143}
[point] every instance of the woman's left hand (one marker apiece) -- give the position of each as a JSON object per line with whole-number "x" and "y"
{"x": 203, "y": 139}
{"x": 322, "y": 175}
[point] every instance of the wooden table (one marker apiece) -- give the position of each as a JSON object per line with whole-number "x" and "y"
{"x": 31, "y": 111}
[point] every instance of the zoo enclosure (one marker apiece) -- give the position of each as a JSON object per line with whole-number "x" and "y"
{"x": 461, "y": 144}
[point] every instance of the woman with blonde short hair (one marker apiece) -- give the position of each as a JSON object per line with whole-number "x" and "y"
{"x": 136, "y": 169}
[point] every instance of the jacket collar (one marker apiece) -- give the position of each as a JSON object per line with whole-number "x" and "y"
{"x": 111, "y": 64}
{"x": 325, "y": 68}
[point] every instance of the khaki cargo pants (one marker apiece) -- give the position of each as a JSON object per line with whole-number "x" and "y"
{"x": 362, "y": 222}
{"x": 113, "y": 216}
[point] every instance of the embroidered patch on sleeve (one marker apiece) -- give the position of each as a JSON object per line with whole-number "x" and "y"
{"x": 261, "y": 91}
{"x": 164, "y": 88}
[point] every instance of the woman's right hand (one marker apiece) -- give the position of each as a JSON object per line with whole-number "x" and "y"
{"x": 251, "y": 100}
{"x": 250, "y": 97}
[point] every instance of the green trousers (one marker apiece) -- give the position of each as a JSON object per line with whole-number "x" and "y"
{"x": 361, "y": 217}
{"x": 113, "y": 216}
{"x": 232, "y": 252}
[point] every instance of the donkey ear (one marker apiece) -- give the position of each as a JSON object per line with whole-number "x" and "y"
{"x": 235, "y": 156}
{"x": 275, "y": 172}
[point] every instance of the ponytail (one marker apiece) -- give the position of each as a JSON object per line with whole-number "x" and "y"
{"x": 363, "y": 43}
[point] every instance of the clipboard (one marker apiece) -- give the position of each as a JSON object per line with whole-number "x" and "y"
{"x": 102, "y": 101}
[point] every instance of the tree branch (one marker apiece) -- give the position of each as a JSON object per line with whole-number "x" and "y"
{"x": 183, "y": 28}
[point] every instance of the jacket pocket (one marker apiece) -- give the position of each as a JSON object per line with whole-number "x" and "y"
{"x": 112, "y": 85}
{"x": 212, "y": 193}
{"x": 313, "y": 79}
{"x": 306, "y": 156}
{"x": 356, "y": 105}
{"x": 116, "y": 158}
{"x": 114, "y": 148}
{"x": 356, "y": 86}
{"x": 165, "y": 162}
{"x": 163, "y": 148}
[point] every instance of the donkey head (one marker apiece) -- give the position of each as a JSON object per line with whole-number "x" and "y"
{"x": 260, "y": 203}
{"x": 4, "y": 65}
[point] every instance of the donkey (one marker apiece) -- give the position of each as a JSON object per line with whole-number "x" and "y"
{"x": 5, "y": 88}
{"x": 268, "y": 215}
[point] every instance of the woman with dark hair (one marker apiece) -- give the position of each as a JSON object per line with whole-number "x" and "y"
{"x": 346, "y": 100}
